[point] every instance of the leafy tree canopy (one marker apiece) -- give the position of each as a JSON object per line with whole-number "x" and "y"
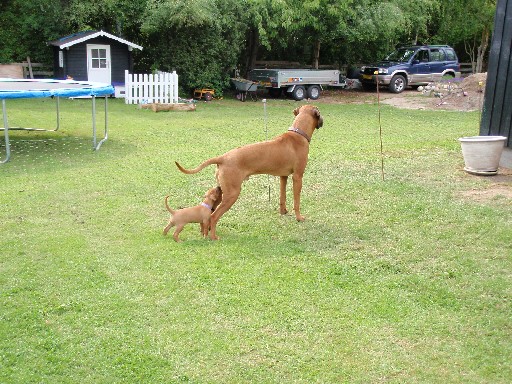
{"x": 204, "y": 40}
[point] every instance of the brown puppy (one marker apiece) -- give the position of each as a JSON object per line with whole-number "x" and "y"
{"x": 198, "y": 214}
{"x": 285, "y": 155}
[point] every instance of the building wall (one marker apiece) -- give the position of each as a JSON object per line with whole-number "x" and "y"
{"x": 13, "y": 71}
{"x": 497, "y": 109}
{"x": 75, "y": 60}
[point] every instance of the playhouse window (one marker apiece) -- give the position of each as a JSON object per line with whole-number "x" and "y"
{"x": 99, "y": 58}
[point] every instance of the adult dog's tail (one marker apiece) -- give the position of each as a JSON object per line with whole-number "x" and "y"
{"x": 167, "y": 206}
{"x": 215, "y": 160}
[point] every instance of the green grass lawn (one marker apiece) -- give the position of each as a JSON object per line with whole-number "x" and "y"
{"x": 397, "y": 281}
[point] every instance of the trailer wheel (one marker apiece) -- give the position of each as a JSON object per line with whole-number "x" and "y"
{"x": 298, "y": 93}
{"x": 208, "y": 96}
{"x": 313, "y": 92}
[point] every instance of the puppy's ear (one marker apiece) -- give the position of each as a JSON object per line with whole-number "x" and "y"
{"x": 218, "y": 201}
{"x": 215, "y": 193}
{"x": 320, "y": 118}
{"x": 296, "y": 111}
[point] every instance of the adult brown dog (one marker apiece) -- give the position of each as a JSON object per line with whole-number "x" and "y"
{"x": 198, "y": 214}
{"x": 285, "y": 155}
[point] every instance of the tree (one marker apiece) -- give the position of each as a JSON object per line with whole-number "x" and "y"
{"x": 417, "y": 16}
{"x": 200, "y": 39}
{"x": 264, "y": 21}
{"x": 120, "y": 17}
{"x": 204, "y": 40}
{"x": 473, "y": 33}
{"x": 26, "y": 27}
{"x": 374, "y": 28}
{"x": 316, "y": 22}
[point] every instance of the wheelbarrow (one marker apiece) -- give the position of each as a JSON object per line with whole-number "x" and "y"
{"x": 245, "y": 87}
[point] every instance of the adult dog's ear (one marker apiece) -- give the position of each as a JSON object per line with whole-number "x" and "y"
{"x": 320, "y": 119}
{"x": 296, "y": 111}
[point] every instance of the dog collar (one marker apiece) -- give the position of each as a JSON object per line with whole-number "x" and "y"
{"x": 206, "y": 206}
{"x": 300, "y": 132}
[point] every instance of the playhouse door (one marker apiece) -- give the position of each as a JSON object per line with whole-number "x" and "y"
{"x": 98, "y": 63}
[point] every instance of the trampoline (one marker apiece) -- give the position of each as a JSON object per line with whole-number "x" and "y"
{"x": 28, "y": 88}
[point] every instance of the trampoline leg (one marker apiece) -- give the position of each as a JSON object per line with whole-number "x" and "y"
{"x": 58, "y": 115}
{"x": 6, "y": 134}
{"x": 94, "y": 122}
{"x": 94, "y": 145}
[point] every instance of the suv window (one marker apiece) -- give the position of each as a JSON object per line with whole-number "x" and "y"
{"x": 401, "y": 55}
{"x": 422, "y": 56}
{"x": 436, "y": 54}
{"x": 450, "y": 54}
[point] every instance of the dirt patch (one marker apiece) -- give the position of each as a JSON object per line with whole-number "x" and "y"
{"x": 465, "y": 95}
{"x": 358, "y": 96}
{"x": 498, "y": 188}
{"x": 495, "y": 192}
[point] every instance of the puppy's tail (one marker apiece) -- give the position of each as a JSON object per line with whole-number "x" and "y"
{"x": 215, "y": 160}
{"x": 167, "y": 206}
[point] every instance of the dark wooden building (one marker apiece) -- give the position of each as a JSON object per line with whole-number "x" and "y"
{"x": 92, "y": 56}
{"x": 497, "y": 109}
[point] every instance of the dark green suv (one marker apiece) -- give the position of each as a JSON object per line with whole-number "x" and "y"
{"x": 412, "y": 66}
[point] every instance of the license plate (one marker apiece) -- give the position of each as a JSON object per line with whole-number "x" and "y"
{"x": 367, "y": 77}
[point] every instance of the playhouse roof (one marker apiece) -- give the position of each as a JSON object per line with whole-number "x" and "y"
{"x": 80, "y": 37}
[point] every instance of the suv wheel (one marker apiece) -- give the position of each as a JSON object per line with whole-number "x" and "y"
{"x": 397, "y": 84}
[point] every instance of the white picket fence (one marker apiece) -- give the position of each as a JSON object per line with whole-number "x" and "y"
{"x": 151, "y": 88}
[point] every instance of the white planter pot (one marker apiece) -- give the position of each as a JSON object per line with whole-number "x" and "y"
{"x": 482, "y": 153}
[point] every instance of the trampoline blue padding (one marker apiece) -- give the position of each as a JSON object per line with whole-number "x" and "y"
{"x": 28, "y": 88}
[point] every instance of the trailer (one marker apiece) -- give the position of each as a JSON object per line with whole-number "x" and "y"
{"x": 297, "y": 83}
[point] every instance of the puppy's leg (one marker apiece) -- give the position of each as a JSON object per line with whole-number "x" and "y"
{"x": 282, "y": 195}
{"x": 205, "y": 227}
{"x": 169, "y": 226}
{"x": 297, "y": 188}
{"x": 177, "y": 231}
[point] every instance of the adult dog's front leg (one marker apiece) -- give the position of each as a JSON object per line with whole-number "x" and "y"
{"x": 282, "y": 195}
{"x": 229, "y": 197}
{"x": 297, "y": 188}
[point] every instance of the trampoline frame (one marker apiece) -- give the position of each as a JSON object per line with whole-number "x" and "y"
{"x": 54, "y": 89}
